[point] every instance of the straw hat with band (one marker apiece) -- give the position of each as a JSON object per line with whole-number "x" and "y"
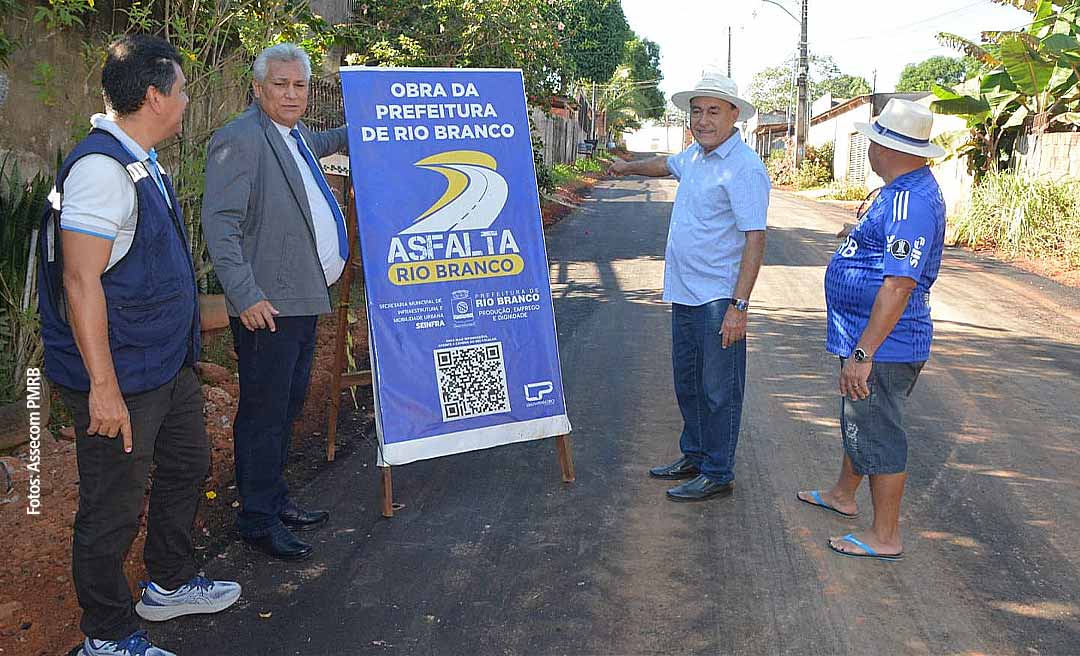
{"x": 904, "y": 126}
{"x": 714, "y": 85}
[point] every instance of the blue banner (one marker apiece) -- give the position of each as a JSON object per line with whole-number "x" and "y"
{"x": 459, "y": 303}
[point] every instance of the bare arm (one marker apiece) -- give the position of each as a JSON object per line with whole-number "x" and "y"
{"x": 734, "y": 326}
{"x": 86, "y": 259}
{"x": 889, "y": 304}
{"x": 654, "y": 167}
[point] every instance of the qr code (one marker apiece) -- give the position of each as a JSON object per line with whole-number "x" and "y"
{"x": 472, "y": 381}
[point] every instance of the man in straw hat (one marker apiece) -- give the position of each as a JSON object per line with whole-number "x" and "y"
{"x": 877, "y": 291}
{"x": 715, "y": 245}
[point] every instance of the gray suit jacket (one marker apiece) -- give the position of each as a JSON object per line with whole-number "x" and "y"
{"x": 256, "y": 218}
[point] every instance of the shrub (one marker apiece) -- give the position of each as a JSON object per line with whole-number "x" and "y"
{"x": 589, "y": 165}
{"x": 563, "y": 173}
{"x": 823, "y": 154}
{"x": 780, "y": 167}
{"x": 844, "y": 190}
{"x": 1037, "y": 218}
{"x": 811, "y": 174}
{"x": 545, "y": 181}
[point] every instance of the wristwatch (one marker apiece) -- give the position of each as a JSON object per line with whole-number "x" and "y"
{"x": 741, "y": 304}
{"x": 859, "y": 355}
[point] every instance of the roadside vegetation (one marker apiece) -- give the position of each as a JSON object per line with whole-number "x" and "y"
{"x": 1021, "y": 217}
{"x": 815, "y": 172}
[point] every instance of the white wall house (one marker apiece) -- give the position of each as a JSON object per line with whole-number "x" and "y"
{"x": 654, "y": 138}
{"x": 837, "y": 124}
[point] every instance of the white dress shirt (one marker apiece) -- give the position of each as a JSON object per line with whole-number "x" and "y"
{"x": 326, "y": 236}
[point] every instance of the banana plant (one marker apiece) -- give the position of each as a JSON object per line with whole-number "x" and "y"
{"x": 1033, "y": 78}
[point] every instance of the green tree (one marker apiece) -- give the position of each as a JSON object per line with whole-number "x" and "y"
{"x": 773, "y": 89}
{"x": 528, "y": 34}
{"x": 643, "y": 61}
{"x": 597, "y": 33}
{"x": 922, "y": 76}
{"x": 842, "y": 86}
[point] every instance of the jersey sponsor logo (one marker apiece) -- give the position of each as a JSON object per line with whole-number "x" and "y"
{"x": 900, "y": 248}
{"x": 916, "y": 251}
{"x": 848, "y": 248}
{"x": 900, "y": 205}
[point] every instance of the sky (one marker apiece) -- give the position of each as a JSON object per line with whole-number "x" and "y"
{"x": 860, "y": 35}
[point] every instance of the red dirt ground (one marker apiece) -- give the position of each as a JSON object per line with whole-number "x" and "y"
{"x": 38, "y": 610}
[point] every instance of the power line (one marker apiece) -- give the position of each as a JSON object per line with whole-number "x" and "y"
{"x": 904, "y": 28}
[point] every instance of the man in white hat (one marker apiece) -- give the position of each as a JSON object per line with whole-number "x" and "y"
{"x": 877, "y": 291}
{"x": 715, "y": 245}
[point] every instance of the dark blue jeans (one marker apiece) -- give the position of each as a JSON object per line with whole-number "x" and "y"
{"x": 709, "y": 384}
{"x": 275, "y": 368}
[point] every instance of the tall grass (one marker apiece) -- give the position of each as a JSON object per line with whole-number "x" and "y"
{"x": 1033, "y": 218}
{"x": 20, "y": 207}
{"x": 846, "y": 190}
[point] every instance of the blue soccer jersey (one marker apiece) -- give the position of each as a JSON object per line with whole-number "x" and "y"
{"x": 902, "y": 234}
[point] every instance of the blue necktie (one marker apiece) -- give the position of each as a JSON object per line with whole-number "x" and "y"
{"x": 316, "y": 172}
{"x": 155, "y": 172}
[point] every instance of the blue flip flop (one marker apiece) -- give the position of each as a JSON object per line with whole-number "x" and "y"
{"x": 818, "y": 502}
{"x": 870, "y": 553}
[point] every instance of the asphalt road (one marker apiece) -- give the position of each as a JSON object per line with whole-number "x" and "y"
{"x": 492, "y": 555}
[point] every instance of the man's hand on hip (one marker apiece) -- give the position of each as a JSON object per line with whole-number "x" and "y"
{"x": 259, "y": 316}
{"x": 854, "y": 379}
{"x": 109, "y": 414}
{"x": 734, "y": 327}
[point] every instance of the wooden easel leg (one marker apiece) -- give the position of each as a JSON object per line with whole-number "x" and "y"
{"x": 331, "y": 427}
{"x": 342, "y": 324}
{"x": 566, "y": 461}
{"x": 387, "y": 493}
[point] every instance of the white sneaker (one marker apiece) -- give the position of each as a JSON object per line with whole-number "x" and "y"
{"x": 199, "y": 595}
{"x": 135, "y": 644}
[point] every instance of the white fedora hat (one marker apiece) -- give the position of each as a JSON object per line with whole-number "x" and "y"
{"x": 714, "y": 85}
{"x": 905, "y": 126}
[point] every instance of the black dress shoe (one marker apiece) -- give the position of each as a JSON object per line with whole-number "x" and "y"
{"x": 280, "y": 544}
{"x": 678, "y": 470}
{"x": 303, "y": 520}
{"x": 699, "y": 489}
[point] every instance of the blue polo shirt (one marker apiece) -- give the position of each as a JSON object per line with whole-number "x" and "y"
{"x": 902, "y": 234}
{"x": 721, "y": 195}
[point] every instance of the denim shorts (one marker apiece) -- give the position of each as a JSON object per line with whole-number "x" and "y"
{"x": 873, "y": 428}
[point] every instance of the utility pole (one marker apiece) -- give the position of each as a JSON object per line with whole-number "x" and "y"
{"x": 873, "y": 88}
{"x": 729, "y": 52}
{"x": 802, "y": 110}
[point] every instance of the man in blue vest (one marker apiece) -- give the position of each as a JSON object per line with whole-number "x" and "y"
{"x": 877, "y": 292}
{"x": 120, "y": 324}
{"x": 277, "y": 239}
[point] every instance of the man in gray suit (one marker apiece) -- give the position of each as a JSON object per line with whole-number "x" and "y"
{"x": 277, "y": 239}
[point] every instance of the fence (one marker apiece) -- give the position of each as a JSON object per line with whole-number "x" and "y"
{"x": 560, "y": 136}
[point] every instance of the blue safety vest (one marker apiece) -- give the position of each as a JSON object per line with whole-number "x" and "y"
{"x": 150, "y": 292}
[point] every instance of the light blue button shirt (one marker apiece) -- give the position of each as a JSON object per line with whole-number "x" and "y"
{"x": 721, "y": 195}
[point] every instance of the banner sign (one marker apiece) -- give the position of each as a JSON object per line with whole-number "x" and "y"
{"x": 463, "y": 343}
